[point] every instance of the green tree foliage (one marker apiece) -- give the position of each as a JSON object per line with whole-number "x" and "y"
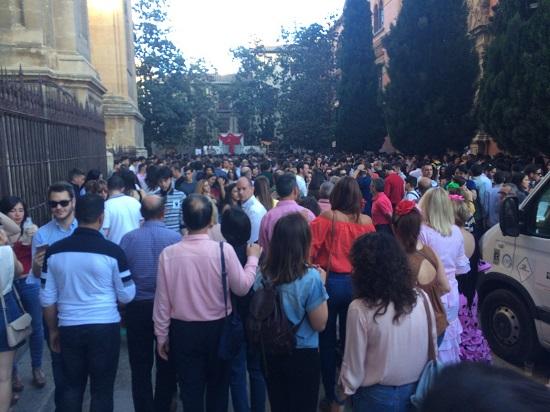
{"x": 307, "y": 83}
{"x": 433, "y": 70}
{"x": 255, "y": 95}
{"x": 514, "y": 97}
{"x": 170, "y": 94}
{"x": 360, "y": 123}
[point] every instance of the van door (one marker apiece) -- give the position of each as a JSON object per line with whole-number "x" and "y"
{"x": 533, "y": 257}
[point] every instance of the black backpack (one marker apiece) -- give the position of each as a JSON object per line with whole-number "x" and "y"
{"x": 267, "y": 326}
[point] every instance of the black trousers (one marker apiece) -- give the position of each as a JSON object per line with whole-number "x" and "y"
{"x": 89, "y": 350}
{"x": 203, "y": 377}
{"x": 142, "y": 354}
{"x": 293, "y": 381}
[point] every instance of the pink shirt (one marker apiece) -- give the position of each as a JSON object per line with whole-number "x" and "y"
{"x": 283, "y": 208}
{"x": 189, "y": 285}
{"x": 382, "y": 351}
{"x": 381, "y": 208}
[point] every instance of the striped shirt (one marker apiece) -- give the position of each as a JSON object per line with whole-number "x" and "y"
{"x": 142, "y": 248}
{"x": 85, "y": 275}
{"x": 173, "y": 215}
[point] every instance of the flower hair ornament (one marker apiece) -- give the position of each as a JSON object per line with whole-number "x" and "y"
{"x": 404, "y": 207}
{"x": 456, "y": 198}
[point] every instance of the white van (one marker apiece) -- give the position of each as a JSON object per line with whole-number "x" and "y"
{"x": 514, "y": 296}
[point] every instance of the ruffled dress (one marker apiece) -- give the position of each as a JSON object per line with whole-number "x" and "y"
{"x": 450, "y": 250}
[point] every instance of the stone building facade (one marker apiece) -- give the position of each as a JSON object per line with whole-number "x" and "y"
{"x": 84, "y": 46}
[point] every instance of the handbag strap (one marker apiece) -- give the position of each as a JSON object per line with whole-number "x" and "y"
{"x": 431, "y": 348}
{"x": 224, "y": 278}
{"x": 331, "y": 241}
{"x": 4, "y": 309}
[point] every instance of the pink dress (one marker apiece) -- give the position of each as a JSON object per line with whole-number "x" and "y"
{"x": 450, "y": 250}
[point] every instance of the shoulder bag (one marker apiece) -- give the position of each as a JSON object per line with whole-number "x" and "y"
{"x": 433, "y": 366}
{"x": 232, "y": 336}
{"x": 19, "y": 329}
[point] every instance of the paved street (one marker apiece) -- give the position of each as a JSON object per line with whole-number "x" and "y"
{"x": 41, "y": 400}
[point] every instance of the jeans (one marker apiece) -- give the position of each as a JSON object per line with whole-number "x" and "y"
{"x": 89, "y": 350}
{"x": 293, "y": 381}
{"x": 29, "y": 294}
{"x": 339, "y": 291}
{"x": 203, "y": 377}
{"x": 247, "y": 360}
{"x": 142, "y": 355}
{"x": 382, "y": 398}
{"x": 57, "y": 371}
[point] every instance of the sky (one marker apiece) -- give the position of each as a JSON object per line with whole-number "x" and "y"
{"x": 209, "y": 29}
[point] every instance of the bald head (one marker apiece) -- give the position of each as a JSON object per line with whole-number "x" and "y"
{"x": 245, "y": 189}
{"x": 152, "y": 207}
{"x": 424, "y": 184}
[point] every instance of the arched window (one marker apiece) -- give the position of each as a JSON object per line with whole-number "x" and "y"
{"x": 381, "y": 13}
{"x": 378, "y": 16}
{"x": 376, "y": 24}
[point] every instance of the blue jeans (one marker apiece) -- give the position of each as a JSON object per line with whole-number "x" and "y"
{"x": 29, "y": 294}
{"x": 339, "y": 297}
{"x": 247, "y": 360}
{"x": 382, "y": 398}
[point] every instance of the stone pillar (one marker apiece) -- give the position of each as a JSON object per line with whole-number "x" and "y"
{"x": 112, "y": 53}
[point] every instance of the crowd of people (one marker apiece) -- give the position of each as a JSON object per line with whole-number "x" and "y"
{"x": 259, "y": 277}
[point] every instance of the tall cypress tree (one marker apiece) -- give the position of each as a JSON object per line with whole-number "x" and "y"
{"x": 360, "y": 122}
{"x": 514, "y": 98}
{"x": 433, "y": 70}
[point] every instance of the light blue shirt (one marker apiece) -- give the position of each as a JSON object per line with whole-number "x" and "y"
{"x": 50, "y": 233}
{"x": 255, "y": 212}
{"x": 300, "y": 181}
{"x": 299, "y": 298}
{"x": 484, "y": 185}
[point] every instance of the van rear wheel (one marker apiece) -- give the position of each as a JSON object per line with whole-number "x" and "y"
{"x": 508, "y": 327}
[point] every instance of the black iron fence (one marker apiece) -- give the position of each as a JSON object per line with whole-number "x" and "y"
{"x": 44, "y": 132}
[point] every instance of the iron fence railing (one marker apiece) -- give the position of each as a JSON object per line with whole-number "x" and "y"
{"x": 44, "y": 132}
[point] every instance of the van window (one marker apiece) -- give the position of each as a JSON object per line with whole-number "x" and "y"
{"x": 542, "y": 218}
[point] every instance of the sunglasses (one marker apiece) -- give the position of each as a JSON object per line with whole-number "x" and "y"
{"x": 63, "y": 203}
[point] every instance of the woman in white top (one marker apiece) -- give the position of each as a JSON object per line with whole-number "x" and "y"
{"x": 441, "y": 234}
{"x": 9, "y": 267}
{"x": 387, "y": 329}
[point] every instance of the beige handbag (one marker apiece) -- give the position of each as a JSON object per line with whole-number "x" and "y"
{"x": 19, "y": 329}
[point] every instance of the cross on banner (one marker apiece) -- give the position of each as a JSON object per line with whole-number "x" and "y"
{"x": 231, "y": 140}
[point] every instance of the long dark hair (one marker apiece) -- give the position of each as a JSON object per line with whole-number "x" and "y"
{"x": 262, "y": 193}
{"x": 381, "y": 274}
{"x": 228, "y": 200}
{"x": 288, "y": 252}
{"x": 407, "y": 229}
{"x": 9, "y": 202}
{"x": 346, "y": 197}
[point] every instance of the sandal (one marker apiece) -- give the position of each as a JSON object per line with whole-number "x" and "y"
{"x": 38, "y": 378}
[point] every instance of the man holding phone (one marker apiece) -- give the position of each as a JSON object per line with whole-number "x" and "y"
{"x": 61, "y": 201}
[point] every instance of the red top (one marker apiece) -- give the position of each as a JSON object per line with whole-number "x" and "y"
{"x": 394, "y": 188}
{"x": 381, "y": 210}
{"x": 322, "y": 242}
{"x": 24, "y": 255}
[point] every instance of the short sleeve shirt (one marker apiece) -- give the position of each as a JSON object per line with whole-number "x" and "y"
{"x": 300, "y": 297}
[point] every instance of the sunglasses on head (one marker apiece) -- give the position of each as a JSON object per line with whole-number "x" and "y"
{"x": 63, "y": 203}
